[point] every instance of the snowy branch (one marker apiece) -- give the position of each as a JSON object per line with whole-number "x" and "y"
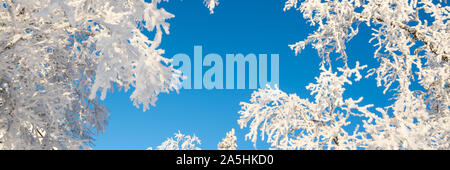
{"x": 413, "y": 49}
{"x": 57, "y": 56}
{"x": 180, "y": 142}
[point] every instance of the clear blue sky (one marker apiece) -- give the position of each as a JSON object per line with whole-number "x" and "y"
{"x": 237, "y": 26}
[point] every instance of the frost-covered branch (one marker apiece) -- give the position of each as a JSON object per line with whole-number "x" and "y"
{"x": 229, "y": 142}
{"x": 211, "y": 4}
{"x": 180, "y": 142}
{"x": 412, "y": 41}
{"x": 290, "y": 122}
{"x": 57, "y": 56}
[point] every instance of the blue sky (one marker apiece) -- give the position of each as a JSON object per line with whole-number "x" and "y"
{"x": 250, "y": 26}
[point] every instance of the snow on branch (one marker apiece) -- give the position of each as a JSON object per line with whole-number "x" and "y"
{"x": 211, "y": 4}
{"x": 229, "y": 142}
{"x": 60, "y": 57}
{"x": 290, "y": 122}
{"x": 412, "y": 47}
{"x": 180, "y": 142}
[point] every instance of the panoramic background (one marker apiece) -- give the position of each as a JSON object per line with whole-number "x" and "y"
{"x": 236, "y": 27}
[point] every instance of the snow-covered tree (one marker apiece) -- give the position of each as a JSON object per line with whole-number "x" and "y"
{"x": 59, "y": 57}
{"x": 180, "y": 142}
{"x": 413, "y": 48}
{"x": 229, "y": 142}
